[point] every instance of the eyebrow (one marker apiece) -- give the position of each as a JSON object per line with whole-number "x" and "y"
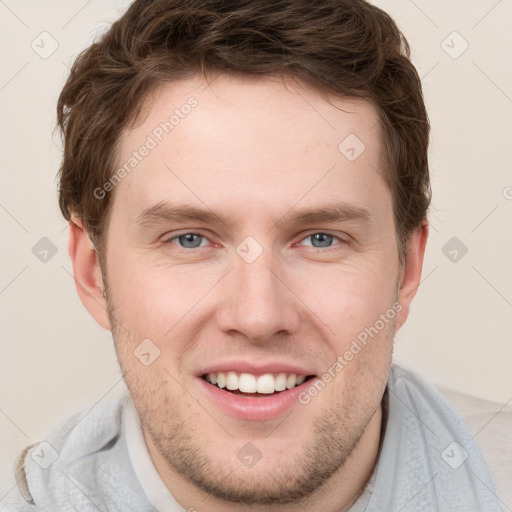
{"x": 163, "y": 212}
{"x": 329, "y": 213}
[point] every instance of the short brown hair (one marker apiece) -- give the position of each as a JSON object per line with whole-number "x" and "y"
{"x": 348, "y": 48}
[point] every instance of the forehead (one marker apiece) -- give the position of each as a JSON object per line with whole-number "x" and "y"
{"x": 249, "y": 143}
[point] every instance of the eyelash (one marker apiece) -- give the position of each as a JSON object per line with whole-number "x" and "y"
{"x": 200, "y": 249}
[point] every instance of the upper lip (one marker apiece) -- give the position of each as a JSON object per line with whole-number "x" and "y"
{"x": 241, "y": 366}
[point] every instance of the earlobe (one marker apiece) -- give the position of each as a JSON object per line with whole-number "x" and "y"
{"x": 87, "y": 272}
{"x": 411, "y": 273}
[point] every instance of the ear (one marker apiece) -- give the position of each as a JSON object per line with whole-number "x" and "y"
{"x": 87, "y": 272}
{"x": 410, "y": 276}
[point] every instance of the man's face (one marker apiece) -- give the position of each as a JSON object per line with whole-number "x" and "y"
{"x": 260, "y": 292}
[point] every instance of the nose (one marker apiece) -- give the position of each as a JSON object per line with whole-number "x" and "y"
{"x": 258, "y": 302}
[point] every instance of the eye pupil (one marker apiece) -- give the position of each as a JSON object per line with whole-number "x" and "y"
{"x": 189, "y": 238}
{"x": 323, "y": 238}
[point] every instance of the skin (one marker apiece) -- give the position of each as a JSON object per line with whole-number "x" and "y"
{"x": 253, "y": 150}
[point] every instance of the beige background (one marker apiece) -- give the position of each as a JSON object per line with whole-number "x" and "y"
{"x": 56, "y": 359}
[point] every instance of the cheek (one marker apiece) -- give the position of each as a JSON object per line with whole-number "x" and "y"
{"x": 359, "y": 307}
{"x": 347, "y": 299}
{"x": 154, "y": 298}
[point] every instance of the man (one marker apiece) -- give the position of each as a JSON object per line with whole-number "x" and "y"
{"x": 247, "y": 189}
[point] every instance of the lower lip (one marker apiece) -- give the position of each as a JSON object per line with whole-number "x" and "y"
{"x": 267, "y": 407}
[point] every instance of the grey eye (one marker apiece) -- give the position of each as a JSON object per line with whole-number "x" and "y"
{"x": 190, "y": 240}
{"x": 323, "y": 239}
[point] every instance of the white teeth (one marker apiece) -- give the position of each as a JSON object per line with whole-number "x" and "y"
{"x": 265, "y": 384}
{"x": 280, "y": 384}
{"x": 291, "y": 381}
{"x": 232, "y": 381}
{"x": 248, "y": 383}
{"x": 221, "y": 380}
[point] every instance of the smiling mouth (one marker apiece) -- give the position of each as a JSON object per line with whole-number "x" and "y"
{"x": 255, "y": 386}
